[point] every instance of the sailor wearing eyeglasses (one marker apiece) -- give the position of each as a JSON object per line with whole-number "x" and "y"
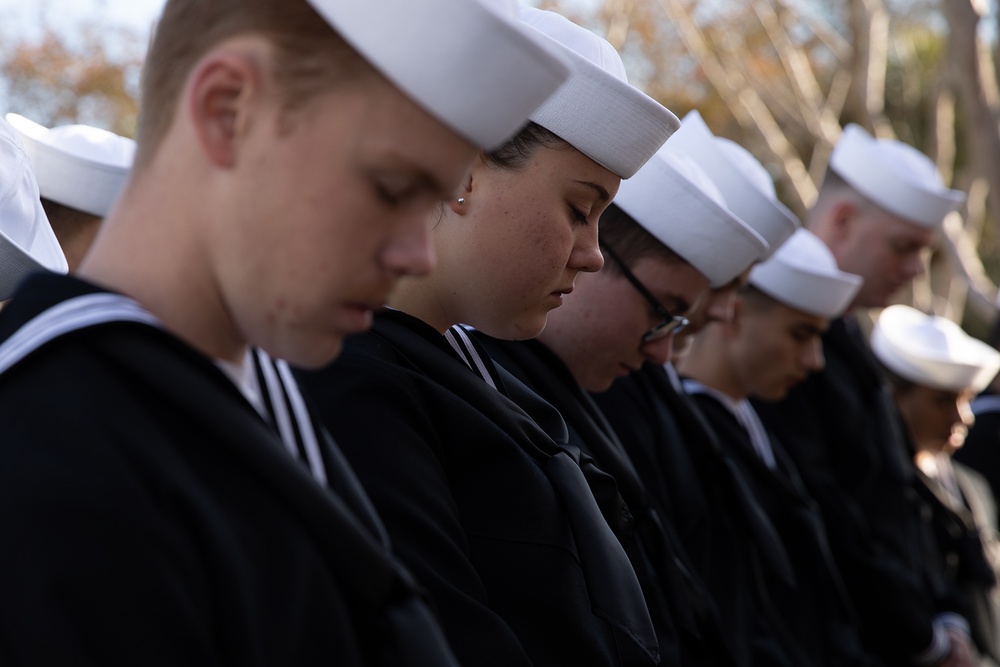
{"x": 689, "y": 478}
{"x": 667, "y": 237}
{"x": 772, "y": 342}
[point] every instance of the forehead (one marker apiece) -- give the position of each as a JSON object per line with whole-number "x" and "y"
{"x": 781, "y": 317}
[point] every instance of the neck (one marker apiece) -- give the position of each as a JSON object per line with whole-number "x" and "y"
{"x": 151, "y": 248}
{"x": 419, "y": 297}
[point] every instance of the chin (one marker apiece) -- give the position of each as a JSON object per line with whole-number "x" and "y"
{"x": 515, "y": 328}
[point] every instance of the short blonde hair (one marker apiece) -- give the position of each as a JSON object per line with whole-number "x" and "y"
{"x": 310, "y": 56}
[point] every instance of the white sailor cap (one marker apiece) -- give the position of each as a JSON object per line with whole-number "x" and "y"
{"x": 803, "y": 274}
{"x": 673, "y": 199}
{"x": 470, "y": 63}
{"x": 932, "y": 351}
{"x": 78, "y": 166}
{"x": 27, "y": 242}
{"x": 598, "y": 111}
{"x": 743, "y": 181}
{"x": 894, "y": 175}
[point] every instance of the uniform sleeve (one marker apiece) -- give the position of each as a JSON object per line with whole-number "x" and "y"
{"x": 381, "y": 418}
{"x": 89, "y": 573}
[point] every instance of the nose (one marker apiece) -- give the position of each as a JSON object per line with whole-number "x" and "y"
{"x": 659, "y": 351}
{"x": 586, "y": 254}
{"x": 812, "y": 358}
{"x": 409, "y": 250}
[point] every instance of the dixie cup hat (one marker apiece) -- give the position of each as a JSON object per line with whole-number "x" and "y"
{"x": 743, "y": 181}
{"x": 27, "y": 243}
{"x": 803, "y": 274}
{"x": 78, "y": 166}
{"x": 598, "y": 111}
{"x": 894, "y": 175}
{"x": 673, "y": 199}
{"x": 932, "y": 351}
{"x": 470, "y": 63}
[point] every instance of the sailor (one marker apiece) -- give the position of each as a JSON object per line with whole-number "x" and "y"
{"x": 935, "y": 369}
{"x": 511, "y": 532}
{"x": 771, "y": 342}
{"x": 666, "y": 237}
{"x": 672, "y": 445}
{"x": 80, "y": 170}
{"x": 27, "y": 244}
{"x": 745, "y": 182}
{"x": 289, "y": 154}
{"x": 879, "y": 207}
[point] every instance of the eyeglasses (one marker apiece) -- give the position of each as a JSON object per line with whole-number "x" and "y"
{"x": 671, "y": 324}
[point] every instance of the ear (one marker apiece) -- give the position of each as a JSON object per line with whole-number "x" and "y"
{"x": 222, "y": 90}
{"x": 733, "y": 326}
{"x": 464, "y": 191}
{"x": 843, "y": 217}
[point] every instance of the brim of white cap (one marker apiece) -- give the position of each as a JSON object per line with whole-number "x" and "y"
{"x": 609, "y": 120}
{"x": 965, "y": 363}
{"x": 803, "y": 274}
{"x": 478, "y": 71}
{"x": 672, "y": 208}
{"x": 70, "y": 180}
{"x": 768, "y": 216}
{"x": 854, "y": 161}
{"x": 825, "y": 295}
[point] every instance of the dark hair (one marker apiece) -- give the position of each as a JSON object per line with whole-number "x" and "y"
{"x": 629, "y": 240}
{"x": 518, "y": 150}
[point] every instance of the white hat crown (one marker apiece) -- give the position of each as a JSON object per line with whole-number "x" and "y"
{"x": 894, "y": 175}
{"x": 27, "y": 242}
{"x": 932, "y": 351}
{"x": 673, "y": 199}
{"x": 78, "y": 166}
{"x": 470, "y": 63}
{"x": 744, "y": 182}
{"x": 598, "y": 111}
{"x": 803, "y": 274}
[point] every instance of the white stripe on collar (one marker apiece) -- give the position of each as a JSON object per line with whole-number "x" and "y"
{"x": 68, "y": 316}
{"x": 281, "y": 385}
{"x": 458, "y": 337}
{"x": 104, "y": 307}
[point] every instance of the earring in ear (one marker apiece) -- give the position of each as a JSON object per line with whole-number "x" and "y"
{"x": 461, "y": 200}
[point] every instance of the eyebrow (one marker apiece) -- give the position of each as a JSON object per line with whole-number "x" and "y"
{"x": 601, "y": 192}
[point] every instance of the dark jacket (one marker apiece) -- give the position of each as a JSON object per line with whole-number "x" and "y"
{"x": 684, "y": 615}
{"x": 816, "y": 608}
{"x": 839, "y": 427}
{"x": 491, "y": 514}
{"x": 729, "y": 539}
{"x": 151, "y": 517}
{"x": 961, "y": 532}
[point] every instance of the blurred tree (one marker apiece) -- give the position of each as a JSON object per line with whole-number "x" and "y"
{"x": 59, "y": 78}
{"x": 783, "y": 76}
